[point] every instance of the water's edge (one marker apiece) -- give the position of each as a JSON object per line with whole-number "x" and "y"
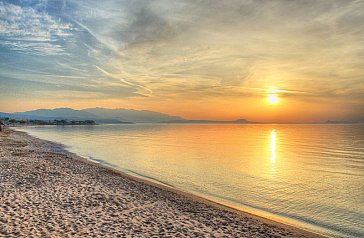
{"x": 273, "y": 220}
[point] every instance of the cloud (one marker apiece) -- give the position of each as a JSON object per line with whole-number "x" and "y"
{"x": 27, "y": 30}
{"x": 14, "y": 87}
{"x": 200, "y": 50}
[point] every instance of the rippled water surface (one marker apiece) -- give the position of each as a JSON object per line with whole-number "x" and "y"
{"x": 307, "y": 175}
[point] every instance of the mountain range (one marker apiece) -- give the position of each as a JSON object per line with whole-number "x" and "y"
{"x": 99, "y": 115}
{"x": 105, "y": 115}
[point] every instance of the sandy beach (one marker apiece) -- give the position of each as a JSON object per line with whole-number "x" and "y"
{"x": 46, "y": 191}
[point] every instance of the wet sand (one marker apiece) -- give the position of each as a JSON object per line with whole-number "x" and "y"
{"x": 46, "y": 191}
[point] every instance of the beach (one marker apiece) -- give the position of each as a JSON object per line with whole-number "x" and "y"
{"x": 46, "y": 191}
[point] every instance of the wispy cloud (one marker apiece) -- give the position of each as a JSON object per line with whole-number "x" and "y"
{"x": 28, "y": 30}
{"x": 135, "y": 85}
{"x": 189, "y": 50}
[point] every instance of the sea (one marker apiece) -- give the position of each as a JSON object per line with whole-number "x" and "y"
{"x": 306, "y": 175}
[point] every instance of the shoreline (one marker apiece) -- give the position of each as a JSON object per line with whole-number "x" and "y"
{"x": 260, "y": 227}
{"x": 209, "y": 202}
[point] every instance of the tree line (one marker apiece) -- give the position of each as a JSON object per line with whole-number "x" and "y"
{"x": 12, "y": 121}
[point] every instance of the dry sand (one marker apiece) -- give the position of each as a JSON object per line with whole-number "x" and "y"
{"x": 46, "y": 191}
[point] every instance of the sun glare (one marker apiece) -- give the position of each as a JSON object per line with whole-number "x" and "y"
{"x": 273, "y": 98}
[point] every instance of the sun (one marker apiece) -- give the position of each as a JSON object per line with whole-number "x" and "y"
{"x": 273, "y": 98}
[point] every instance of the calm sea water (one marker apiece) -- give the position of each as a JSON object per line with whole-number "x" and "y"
{"x": 311, "y": 176}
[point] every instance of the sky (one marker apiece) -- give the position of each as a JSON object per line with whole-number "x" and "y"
{"x": 196, "y": 59}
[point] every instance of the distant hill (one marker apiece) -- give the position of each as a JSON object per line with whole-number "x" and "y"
{"x": 60, "y": 113}
{"x": 338, "y": 122}
{"x": 3, "y": 114}
{"x": 113, "y": 116}
{"x": 131, "y": 115}
{"x": 99, "y": 115}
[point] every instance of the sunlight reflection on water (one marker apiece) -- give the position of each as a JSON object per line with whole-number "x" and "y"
{"x": 273, "y": 146}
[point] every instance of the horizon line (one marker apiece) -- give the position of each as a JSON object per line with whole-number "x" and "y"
{"x": 203, "y": 121}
